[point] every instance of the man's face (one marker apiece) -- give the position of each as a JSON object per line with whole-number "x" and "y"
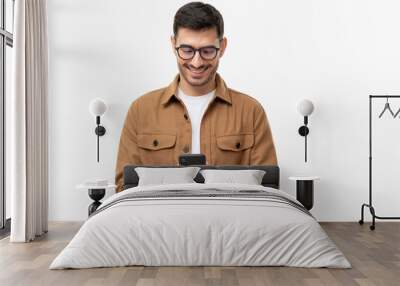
{"x": 198, "y": 71}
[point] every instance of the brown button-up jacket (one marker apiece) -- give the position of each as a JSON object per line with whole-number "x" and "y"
{"x": 157, "y": 129}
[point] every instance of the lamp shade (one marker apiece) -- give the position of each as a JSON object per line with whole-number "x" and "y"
{"x": 97, "y": 107}
{"x": 305, "y": 107}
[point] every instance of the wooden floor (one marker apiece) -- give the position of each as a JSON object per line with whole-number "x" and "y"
{"x": 374, "y": 255}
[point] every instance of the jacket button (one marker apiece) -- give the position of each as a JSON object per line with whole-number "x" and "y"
{"x": 186, "y": 149}
{"x": 238, "y": 145}
{"x": 155, "y": 142}
{"x": 186, "y": 116}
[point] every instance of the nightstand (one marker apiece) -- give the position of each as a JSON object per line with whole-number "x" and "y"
{"x": 305, "y": 190}
{"x": 96, "y": 193}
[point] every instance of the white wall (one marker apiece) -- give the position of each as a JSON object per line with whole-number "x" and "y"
{"x": 335, "y": 53}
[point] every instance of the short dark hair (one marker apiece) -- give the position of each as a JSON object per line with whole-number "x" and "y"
{"x": 199, "y": 16}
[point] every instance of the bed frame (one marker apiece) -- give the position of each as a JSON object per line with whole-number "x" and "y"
{"x": 270, "y": 179}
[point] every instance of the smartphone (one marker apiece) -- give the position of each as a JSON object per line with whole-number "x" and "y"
{"x": 192, "y": 159}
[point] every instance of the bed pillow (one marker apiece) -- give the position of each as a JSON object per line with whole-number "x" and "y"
{"x": 162, "y": 176}
{"x": 248, "y": 177}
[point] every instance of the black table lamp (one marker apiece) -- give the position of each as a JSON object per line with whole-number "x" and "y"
{"x": 97, "y": 108}
{"x": 305, "y": 108}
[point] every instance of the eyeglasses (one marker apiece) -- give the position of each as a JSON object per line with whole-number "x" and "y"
{"x": 186, "y": 52}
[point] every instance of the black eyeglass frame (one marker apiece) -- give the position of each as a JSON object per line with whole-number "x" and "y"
{"x": 197, "y": 50}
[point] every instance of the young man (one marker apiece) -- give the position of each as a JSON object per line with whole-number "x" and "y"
{"x": 197, "y": 112}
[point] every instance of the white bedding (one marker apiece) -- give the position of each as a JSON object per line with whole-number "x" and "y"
{"x": 181, "y": 231}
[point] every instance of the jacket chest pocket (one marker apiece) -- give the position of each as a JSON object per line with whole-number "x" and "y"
{"x": 233, "y": 149}
{"x": 157, "y": 149}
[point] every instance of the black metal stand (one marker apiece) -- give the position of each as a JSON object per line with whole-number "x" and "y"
{"x": 369, "y": 205}
{"x": 305, "y": 193}
{"x": 100, "y": 131}
{"x": 96, "y": 195}
{"x": 304, "y": 131}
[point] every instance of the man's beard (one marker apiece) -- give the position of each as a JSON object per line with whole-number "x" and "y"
{"x": 183, "y": 69}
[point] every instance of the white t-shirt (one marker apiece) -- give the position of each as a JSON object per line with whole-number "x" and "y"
{"x": 196, "y": 106}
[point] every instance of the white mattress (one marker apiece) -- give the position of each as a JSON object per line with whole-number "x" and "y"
{"x": 185, "y": 231}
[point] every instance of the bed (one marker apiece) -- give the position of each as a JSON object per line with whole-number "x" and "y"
{"x": 201, "y": 224}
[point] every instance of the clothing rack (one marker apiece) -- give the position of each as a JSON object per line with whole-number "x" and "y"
{"x": 369, "y": 205}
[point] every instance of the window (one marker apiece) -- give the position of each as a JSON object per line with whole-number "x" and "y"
{"x": 6, "y": 44}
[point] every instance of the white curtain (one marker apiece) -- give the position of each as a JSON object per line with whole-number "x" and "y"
{"x": 28, "y": 122}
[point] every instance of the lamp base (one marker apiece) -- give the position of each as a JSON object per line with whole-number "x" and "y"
{"x": 303, "y": 130}
{"x": 100, "y": 130}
